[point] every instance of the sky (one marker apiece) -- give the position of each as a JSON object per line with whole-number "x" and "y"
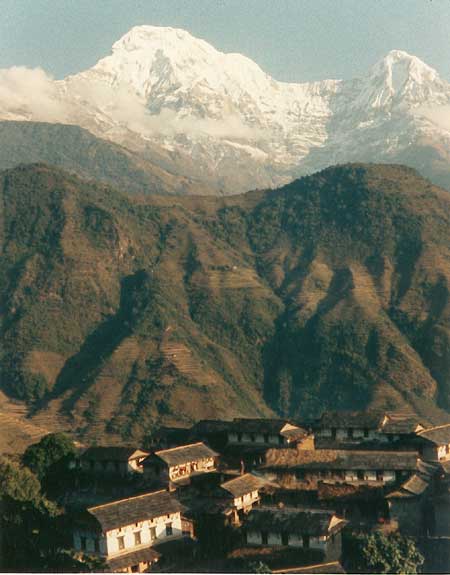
{"x": 292, "y": 40}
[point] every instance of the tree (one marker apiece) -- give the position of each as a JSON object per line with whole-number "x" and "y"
{"x": 53, "y": 450}
{"x": 379, "y": 553}
{"x": 33, "y": 537}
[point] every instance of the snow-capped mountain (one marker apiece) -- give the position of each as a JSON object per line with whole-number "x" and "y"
{"x": 168, "y": 95}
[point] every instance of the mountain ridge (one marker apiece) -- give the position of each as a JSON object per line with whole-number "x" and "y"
{"x": 119, "y": 312}
{"x": 175, "y": 99}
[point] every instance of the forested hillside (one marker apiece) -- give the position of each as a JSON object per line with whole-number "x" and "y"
{"x": 119, "y": 313}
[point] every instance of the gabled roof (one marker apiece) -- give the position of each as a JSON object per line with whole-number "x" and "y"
{"x": 294, "y": 520}
{"x": 401, "y": 423}
{"x": 244, "y": 484}
{"x": 184, "y": 454}
{"x": 439, "y": 435}
{"x": 358, "y": 419}
{"x": 147, "y": 555}
{"x": 134, "y": 509}
{"x": 340, "y": 459}
{"x": 107, "y": 453}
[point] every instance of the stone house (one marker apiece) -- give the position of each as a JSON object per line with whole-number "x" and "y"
{"x": 179, "y": 463}
{"x": 353, "y": 427}
{"x": 409, "y": 504}
{"x": 303, "y": 469}
{"x": 435, "y": 443}
{"x": 295, "y": 527}
{"x": 264, "y": 433}
{"x": 112, "y": 460}
{"x": 124, "y": 532}
{"x": 242, "y": 494}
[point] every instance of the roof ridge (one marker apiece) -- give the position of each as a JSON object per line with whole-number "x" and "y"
{"x": 95, "y": 507}
{"x": 433, "y": 428}
{"x": 307, "y": 566}
{"x": 180, "y": 447}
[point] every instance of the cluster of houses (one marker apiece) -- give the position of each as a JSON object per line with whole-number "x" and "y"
{"x": 280, "y": 485}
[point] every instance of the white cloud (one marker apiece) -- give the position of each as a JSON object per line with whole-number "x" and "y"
{"x": 30, "y": 93}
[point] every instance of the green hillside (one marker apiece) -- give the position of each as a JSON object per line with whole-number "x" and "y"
{"x": 119, "y": 313}
{"x": 77, "y": 150}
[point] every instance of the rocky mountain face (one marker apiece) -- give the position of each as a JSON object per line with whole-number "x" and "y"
{"x": 197, "y": 112}
{"x": 118, "y": 313}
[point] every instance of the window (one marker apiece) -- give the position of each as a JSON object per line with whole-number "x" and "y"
{"x": 135, "y": 568}
{"x": 239, "y": 437}
{"x": 379, "y": 475}
{"x": 169, "y": 530}
{"x": 280, "y": 439}
{"x": 266, "y": 438}
{"x": 350, "y": 432}
{"x": 121, "y": 542}
{"x": 264, "y": 537}
{"x": 284, "y": 538}
{"x": 83, "y": 543}
{"x": 152, "y": 533}
{"x": 252, "y": 437}
{"x": 305, "y": 540}
{"x": 360, "y": 475}
{"x": 137, "y": 537}
{"x": 366, "y": 432}
{"x": 333, "y": 433}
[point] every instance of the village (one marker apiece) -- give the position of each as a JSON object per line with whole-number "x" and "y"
{"x": 266, "y": 493}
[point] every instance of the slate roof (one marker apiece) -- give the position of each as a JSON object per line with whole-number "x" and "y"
{"x": 260, "y": 425}
{"x": 148, "y": 555}
{"x": 185, "y": 453}
{"x": 211, "y": 426}
{"x": 140, "y": 508}
{"x": 108, "y": 453}
{"x": 359, "y": 419}
{"x": 439, "y": 435}
{"x": 401, "y": 424}
{"x": 293, "y": 520}
{"x": 244, "y": 484}
{"x": 339, "y": 459}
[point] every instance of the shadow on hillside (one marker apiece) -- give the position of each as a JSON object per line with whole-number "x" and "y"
{"x": 80, "y": 371}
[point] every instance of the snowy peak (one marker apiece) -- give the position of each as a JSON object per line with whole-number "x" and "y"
{"x": 401, "y": 79}
{"x": 151, "y": 58}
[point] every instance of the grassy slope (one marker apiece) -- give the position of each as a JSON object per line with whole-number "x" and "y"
{"x": 330, "y": 292}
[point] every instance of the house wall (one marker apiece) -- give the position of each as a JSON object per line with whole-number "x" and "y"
{"x": 255, "y": 439}
{"x": 201, "y": 465}
{"x": 112, "y": 544}
{"x": 358, "y": 435}
{"x": 247, "y": 500}
{"x": 295, "y": 480}
{"x": 322, "y": 543}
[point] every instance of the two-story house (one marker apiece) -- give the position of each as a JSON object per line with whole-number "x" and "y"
{"x": 300, "y": 469}
{"x": 124, "y": 532}
{"x": 264, "y": 433}
{"x": 179, "y": 463}
{"x": 112, "y": 460}
{"x": 295, "y": 527}
{"x": 351, "y": 428}
{"x": 435, "y": 443}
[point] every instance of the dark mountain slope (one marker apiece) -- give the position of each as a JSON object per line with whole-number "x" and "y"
{"x": 77, "y": 150}
{"x": 119, "y": 313}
